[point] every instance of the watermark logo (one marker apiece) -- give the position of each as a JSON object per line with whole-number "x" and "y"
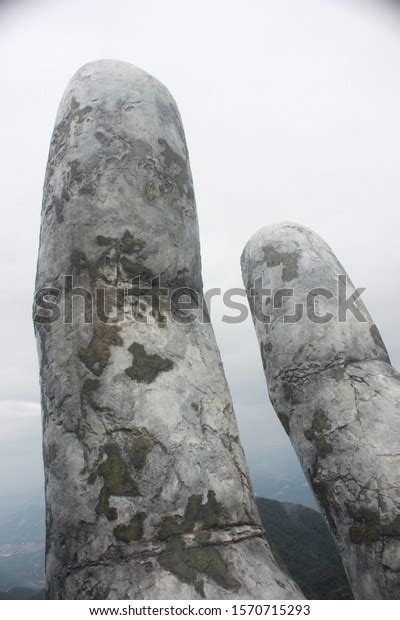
{"x": 150, "y": 302}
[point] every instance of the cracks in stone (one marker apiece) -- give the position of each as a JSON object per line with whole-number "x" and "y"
{"x": 376, "y": 392}
{"x": 356, "y": 404}
{"x": 219, "y": 537}
{"x": 389, "y": 455}
{"x": 299, "y": 374}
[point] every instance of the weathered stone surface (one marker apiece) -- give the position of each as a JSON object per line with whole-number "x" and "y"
{"x": 147, "y": 489}
{"x": 338, "y": 397}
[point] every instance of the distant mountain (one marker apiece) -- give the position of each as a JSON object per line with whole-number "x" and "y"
{"x": 301, "y": 538}
{"x": 22, "y": 535}
{"x": 298, "y": 534}
{"x": 18, "y": 594}
{"x": 25, "y": 525}
{"x": 21, "y": 567}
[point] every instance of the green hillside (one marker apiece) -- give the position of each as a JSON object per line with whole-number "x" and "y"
{"x": 302, "y": 540}
{"x": 298, "y": 534}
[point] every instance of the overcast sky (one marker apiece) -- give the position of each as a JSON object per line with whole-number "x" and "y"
{"x": 291, "y": 112}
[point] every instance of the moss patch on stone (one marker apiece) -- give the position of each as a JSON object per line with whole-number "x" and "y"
{"x": 117, "y": 481}
{"x": 291, "y": 393}
{"x": 139, "y": 448}
{"x": 288, "y": 260}
{"x": 323, "y": 447}
{"x": 176, "y": 168}
{"x": 133, "y": 531}
{"x": 129, "y": 243}
{"x": 320, "y": 425}
{"x": 171, "y": 527}
{"x": 320, "y": 422}
{"x": 188, "y": 565}
{"x": 145, "y": 368}
{"x": 62, "y": 131}
{"x": 97, "y": 354}
{"x": 203, "y": 516}
{"x": 366, "y": 528}
{"x": 210, "y": 514}
{"x": 106, "y": 242}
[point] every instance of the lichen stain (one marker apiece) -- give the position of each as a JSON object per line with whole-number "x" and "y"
{"x": 145, "y": 368}
{"x": 107, "y": 265}
{"x": 177, "y": 169}
{"x": 165, "y": 173}
{"x": 106, "y": 242}
{"x": 188, "y": 564}
{"x": 323, "y": 447}
{"x": 117, "y": 481}
{"x": 157, "y": 188}
{"x": 320, "y": 424}
{"x": 197, "y": 515}
{"x": 291, "y": 393}
{"x": 133, "y": 531}
{"x": 288, "y": 260}
{"x": 62, "y": 131}
{"x": 59, "y": 143}
{"x": 97, "y": 354}
{"x": 130, "y": 244}
{"x": 139, "y": 448}
{"x": 366, "y": 527}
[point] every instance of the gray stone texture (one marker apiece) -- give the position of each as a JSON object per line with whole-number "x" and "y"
{"x": 147, "y": 490}
{"x": 338, "y": 397}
